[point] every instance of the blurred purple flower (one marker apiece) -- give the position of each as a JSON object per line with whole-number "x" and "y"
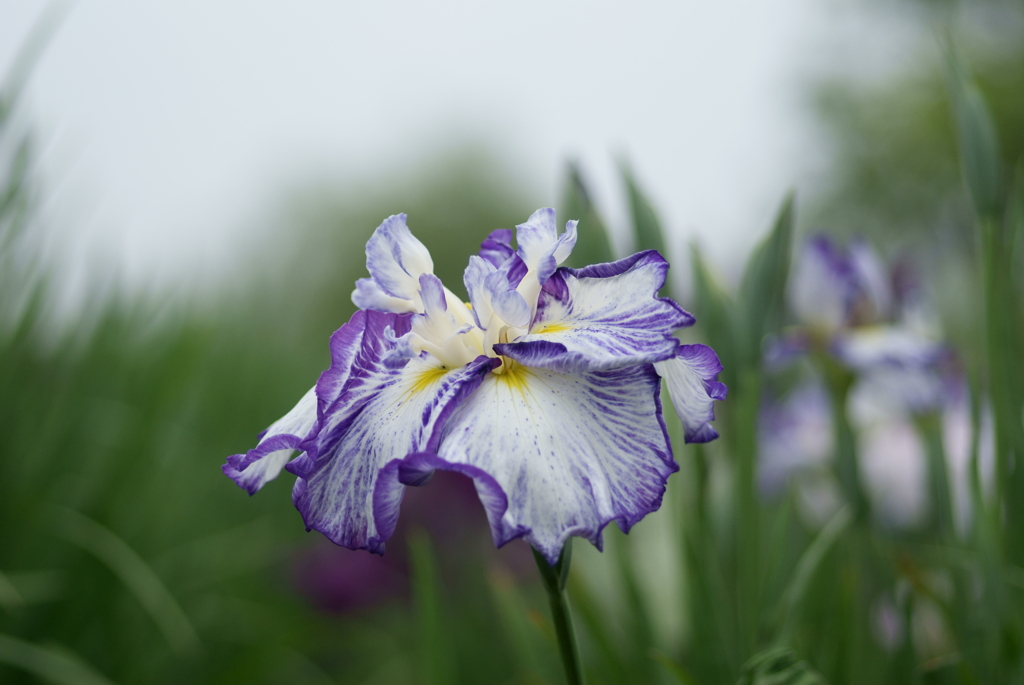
{"x": 794, "y": 434}
{"x": 874, "y": 321}
{"x": 877, "y": 323}
{"x": 543, "y": 389}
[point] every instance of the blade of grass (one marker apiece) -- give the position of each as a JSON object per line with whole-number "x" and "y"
{"x": 638, "y": 619}
{"x": 677, "y": 671}
{"x": 134, "y": 572}
{"x": 647, "y": 233}
{"x": 593, "y": 244}
{"x": 48, "y": 663}
{"x": 10, "y": 598}
{"x": 810, "y": 560}
{"x": 515, "y": 623}
{"x": 595, "y": 624}
{"x": 437, "y": 659}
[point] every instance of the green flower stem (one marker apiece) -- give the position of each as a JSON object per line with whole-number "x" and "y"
{"x": 554, "y": 578}
{"x": 838, "y": 381}
{"x": 930, "y": 428}
{"x": 1003, "y": 376}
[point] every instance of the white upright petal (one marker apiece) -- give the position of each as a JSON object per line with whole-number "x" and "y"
{"x": 368, "y": 295}
{"x": 396, "y": 259}
{"x": 542, "y": 250}
{"x": 872, "y": 279}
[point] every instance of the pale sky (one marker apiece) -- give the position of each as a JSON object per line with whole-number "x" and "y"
{"x": 169, "y": 129}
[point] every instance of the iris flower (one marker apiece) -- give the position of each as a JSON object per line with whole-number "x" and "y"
{"x": 544, "y": 389}
{"x": 868, "y": 316}
{"x": 875, "y": 322}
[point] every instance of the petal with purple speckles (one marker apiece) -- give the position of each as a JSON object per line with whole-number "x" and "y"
{"x": 563, "y": 454}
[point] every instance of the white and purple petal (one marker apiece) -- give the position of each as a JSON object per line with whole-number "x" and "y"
{"x": 396, "y": 259}
{"x": 540, "y": 246}
{"x": 867, "y": 347}
{"x": 252, "y": 470}
{"x": 563, "y": 454}
{"x": 602, "y": 317}
{"x": 692, "y": 379}
{"x": 497, "y": 248}
{"x": 475, "y": 278}
{"x": 794, "y": 435}
{"x": 368, "y": 295}
{"x": 382, "y": 414}
{"x": 872, "y": 279}
{"x": 822, "y": 286}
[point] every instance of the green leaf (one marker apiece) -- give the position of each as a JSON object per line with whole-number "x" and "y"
{"x": 1013, "y": 222}
{"x": 677, "y": 671}
{"x": 976, "y": 136}
{"x": 714, "y": 310}
{"x": 134, "y": 572}
{"x": 762, "y": 293}
{"x": 637, "y": 618}
{"x": 51, "y": 664}
{"x": 778, "y": 666}
{"x": 647, "y": 234}
{"x": 592, "y": 244}
{"x": 437, "y": 660}
{"x": 806, "y": 567}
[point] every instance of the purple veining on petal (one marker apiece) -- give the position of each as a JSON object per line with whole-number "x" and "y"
{"x": 692, "y": 379}
{"x": 616, "y": 472}
{"x": 475, "y": 278}
{"x": 363, "y": 336}
{"x": 252, "y": 470}
{"x": 516, "y": 269}
{"x": 381, "y": 415}
{"x": 497, "y": 248}
{"x": 609, "y": 318}
{"x": 432, "y": 293}
{"x": 239, "y": 467}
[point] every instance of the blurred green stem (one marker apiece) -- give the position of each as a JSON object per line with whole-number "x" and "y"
{"x": 425, "y": 579}
{"x": 748, "y": 537}
{"x": 1002, "y": 374}
{"x": 554, "y": 578}
{"x": 930, "y": 428}
{"x": 839, "y": 381}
